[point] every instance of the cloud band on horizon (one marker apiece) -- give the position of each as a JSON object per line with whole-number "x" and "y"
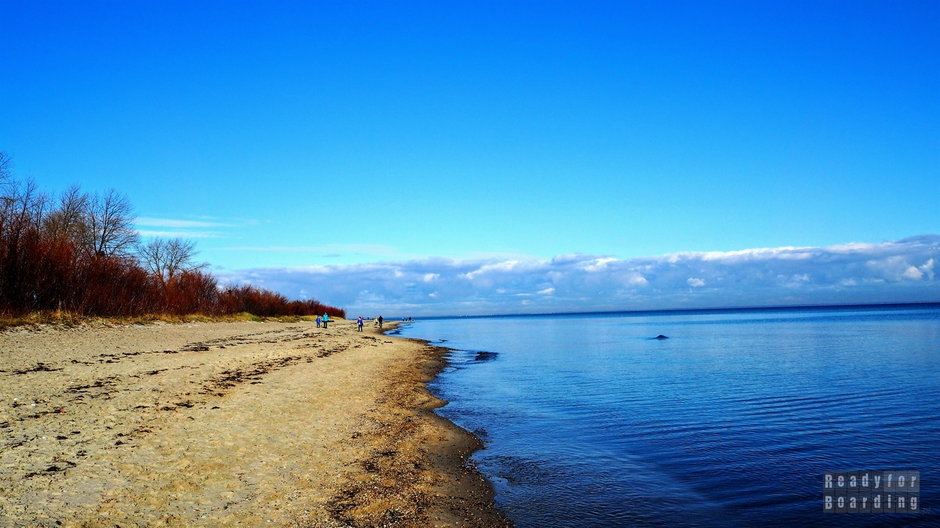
{"x": 889, "y": 272}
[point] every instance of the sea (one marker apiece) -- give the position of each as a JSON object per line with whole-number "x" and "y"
{"x": 732, "y": 420}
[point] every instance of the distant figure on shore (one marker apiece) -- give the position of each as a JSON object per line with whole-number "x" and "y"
{"x": 318, "y": 321}
{"x": 380, "y": 321}
{"x": 359, "y": 324}
{"x": 326, "y": 319}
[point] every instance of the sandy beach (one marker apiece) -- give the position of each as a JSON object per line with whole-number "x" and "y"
{"x": 228, "y": 424}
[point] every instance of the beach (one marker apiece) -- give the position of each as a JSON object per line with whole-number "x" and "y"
{"x": 225, "y": 424}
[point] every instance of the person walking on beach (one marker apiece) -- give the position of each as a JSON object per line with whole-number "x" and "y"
{"x": 326, "y": 319}
{"x": 359, "y": 324}
{"x": 380, "y": 321}
{"x": 318, "y": 321}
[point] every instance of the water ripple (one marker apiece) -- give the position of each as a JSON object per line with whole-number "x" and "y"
{"x": 731, "y": 422}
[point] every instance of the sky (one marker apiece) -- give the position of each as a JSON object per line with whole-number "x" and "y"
{"x": 431, "y": 158}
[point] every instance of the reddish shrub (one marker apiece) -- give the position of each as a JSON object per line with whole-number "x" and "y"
{"x": 45, "y": 265}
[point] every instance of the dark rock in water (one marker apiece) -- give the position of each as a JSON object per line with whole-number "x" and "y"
{"x": 485, "y": 356}
{"x": 660, "y": 336}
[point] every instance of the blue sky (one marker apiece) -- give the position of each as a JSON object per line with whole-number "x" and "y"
{"x": 294, "y": 137}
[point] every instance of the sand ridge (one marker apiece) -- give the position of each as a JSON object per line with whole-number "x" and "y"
{"x": 228, "y": 424}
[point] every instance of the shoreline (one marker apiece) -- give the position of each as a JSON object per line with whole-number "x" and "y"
{"x": 462, "y": 495}
{"x": 199, "y": 424}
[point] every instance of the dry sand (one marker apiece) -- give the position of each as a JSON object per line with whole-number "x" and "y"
{"x": 229, "y": 424}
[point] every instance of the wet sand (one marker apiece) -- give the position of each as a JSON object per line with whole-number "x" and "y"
{"x": 229, "y": 424}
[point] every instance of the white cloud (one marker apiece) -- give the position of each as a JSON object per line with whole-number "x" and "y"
{"x": 634, "y": 279}
{"x": 326, "y": 249}
{"x": 507, "y": 265}
{"x": 150, "y": 233}
{"x": 901, "y": 271}
{"x": 927, "y": 268}
{"x": 598, "y": 264}
{"x": 154, "y": 227}
{"x": 792, "y": 253}
{"x": 176, "y": 223}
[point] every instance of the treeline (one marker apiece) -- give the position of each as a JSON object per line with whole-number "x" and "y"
{"x": 79, "y": 253}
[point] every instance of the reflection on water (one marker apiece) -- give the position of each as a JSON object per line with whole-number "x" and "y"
{"x": 731, "y": 421}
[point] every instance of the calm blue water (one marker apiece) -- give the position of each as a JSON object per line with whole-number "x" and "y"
{"x": 731, "y": 422}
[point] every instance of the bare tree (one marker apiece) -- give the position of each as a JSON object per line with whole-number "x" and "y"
{"x": 166, "y": 258}
{"x": 4, "y": 168}
{"x": 109, "y": 223}
{"x": 68, "y": 221}
{"x": 22, "y": 206}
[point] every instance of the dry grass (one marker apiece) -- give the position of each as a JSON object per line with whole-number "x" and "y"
{"x": 71, "y": 319}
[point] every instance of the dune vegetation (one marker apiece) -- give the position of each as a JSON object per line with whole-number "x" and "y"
{"x": 77, "y": 255}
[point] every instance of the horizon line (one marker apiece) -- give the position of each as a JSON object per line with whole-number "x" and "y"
{"x": 685, "y": 310}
